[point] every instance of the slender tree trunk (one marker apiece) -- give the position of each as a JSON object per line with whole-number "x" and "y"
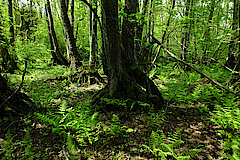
{"x": 208, "y": 44}
{"x": 74, "y": 55}
{"x": 164, "y": 36}
{"x": 40, "y": 10}
{"x": 11, "y": 30}
{"x": 186, "y": 31}
{"x": 8, "y": 63}
{"x": 72, "y": 14}
{"x": 52, "y": 48}
{"x": 139, "y": 32}
{"x": 57, "y": 55}
{"x": 93, "y": 35}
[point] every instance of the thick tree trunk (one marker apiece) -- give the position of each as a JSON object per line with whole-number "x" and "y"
{"x": 52, "y": 48}
{"x": 74, "y": 55}
{"x": 57, "y": 56}
{"x": 128, "y": 28}
{"x": 126, "y": 80}
{"x": 113, "y": 50}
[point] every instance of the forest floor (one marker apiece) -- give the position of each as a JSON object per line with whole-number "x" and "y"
{"x": 64, "y": 125}
{"x": 190, "y": 124}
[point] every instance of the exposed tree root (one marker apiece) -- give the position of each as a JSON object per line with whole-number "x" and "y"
{"x": 139, "y": 89}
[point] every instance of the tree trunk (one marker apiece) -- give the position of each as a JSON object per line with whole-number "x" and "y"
{"x": 93, "y": 35}
{"x": 72, "y": 14}
{"x": 125, "y": 81}
{"x": 8, "y": 63}
{"x": 186, "y": 31}
{"x": 74, "y": 55}
{"x": 57, "y": 56}
{"x": 207, "y": 38}
{"x": 128, "y": 28}
{"x": 11, "y": 30}
{"x": 233, "y": 61}
{"x": 139, "y": 32}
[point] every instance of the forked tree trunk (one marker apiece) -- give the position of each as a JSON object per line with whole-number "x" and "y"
{"x": 125, "y": 81}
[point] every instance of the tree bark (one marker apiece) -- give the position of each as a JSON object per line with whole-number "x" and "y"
{"x": 233, "y": 61}
{"x": 139, "y": 31}
{"x": 57, "y": 55}
{"x": 72, "y": 14}
{"x": 8, "y": 63}
{"x": 128, "y": 28}
{"x": 207, "y": 45}
{"x": 11, "y": 29}
{"x": 74, "y": 55}
{"x": 93, "y": 35}
{"x": 124, "y": 81}
{"x": 186, "y": 31}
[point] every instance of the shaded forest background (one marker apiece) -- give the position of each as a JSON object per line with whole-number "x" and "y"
{"x": 115, "y": 79}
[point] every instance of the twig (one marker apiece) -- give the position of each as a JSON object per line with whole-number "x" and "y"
{"x": 201, "y": 73}
{"x": 20, "y": 86}
{"x": 65, "y": 154}
{"x": 165, "y": 32}
{"x": 225, "y": 67}
{"x": 12, "y": 124}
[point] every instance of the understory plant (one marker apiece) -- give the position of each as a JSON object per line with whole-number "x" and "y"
{"x": 227, "y": 115}
{"x": 165, "y": 148}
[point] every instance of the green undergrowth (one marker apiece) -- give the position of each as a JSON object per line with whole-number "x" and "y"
{"x": 67, "y": 126}
{"x": 64, "y": 113}
{"x": 189, "y": 88}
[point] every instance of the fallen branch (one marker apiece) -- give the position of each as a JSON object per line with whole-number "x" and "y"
{"x": 195, "y": 69}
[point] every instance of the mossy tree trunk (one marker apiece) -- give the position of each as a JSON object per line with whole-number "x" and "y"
{"x": 8, "y": 64}
{"x": 125, "y": 79}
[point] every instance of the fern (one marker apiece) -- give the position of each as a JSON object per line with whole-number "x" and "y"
{"x": 162, "y": 147}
